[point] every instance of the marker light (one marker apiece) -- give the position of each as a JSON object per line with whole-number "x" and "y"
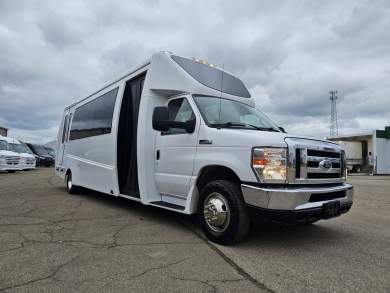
{"x": 204, "y": 62}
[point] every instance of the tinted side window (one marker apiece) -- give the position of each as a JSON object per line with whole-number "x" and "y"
{"x": 213, "y": 77}
{"x": 95, "y": 117}
{"x": 104, "y": 110}
{"x": 65, "y": 128}
{"x": 179, "y": 110}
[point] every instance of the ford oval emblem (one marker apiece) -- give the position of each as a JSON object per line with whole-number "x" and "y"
{"x": 325, "y": 164}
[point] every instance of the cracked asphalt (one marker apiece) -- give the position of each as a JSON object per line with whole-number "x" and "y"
{"x": 51, "y": 241}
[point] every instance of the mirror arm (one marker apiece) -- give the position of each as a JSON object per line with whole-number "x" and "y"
{"x": 188, "y": 126}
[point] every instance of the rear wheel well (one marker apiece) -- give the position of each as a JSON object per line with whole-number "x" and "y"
{"x": 67, "y": 173}
{"x": 216, "y": 172}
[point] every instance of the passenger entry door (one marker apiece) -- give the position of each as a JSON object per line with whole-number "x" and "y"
{"x": 175, "y": 151}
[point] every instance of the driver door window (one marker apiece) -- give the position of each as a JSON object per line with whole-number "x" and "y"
{"x": 179, "y": 110}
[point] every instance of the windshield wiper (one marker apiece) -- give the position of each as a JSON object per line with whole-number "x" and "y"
{"x": 245, "y": 125}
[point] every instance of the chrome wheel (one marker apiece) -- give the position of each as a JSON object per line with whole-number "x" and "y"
{"x": 216, "y": 212}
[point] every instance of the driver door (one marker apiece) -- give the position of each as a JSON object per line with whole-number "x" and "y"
{"x": 175, "y": 151}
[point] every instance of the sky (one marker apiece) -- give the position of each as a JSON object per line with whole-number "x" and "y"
{"x": 290, "y": 54}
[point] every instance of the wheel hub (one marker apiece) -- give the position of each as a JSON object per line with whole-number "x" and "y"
{"x": 216, "y": 212}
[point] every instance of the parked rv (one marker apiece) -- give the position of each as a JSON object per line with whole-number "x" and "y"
{"x": 9, "y": 160}
{"x": 27, "y": 159}
{"x": 184, "y": 135}
{"x": 42, "y": 156}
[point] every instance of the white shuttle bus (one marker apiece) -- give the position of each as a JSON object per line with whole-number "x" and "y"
{"x": 9, "y": 160}
{"x": 27, "y": 159}
{"x": 184, "y": 135}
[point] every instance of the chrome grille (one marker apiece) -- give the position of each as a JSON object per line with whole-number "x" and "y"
{"x": 315, "y": 169}
{"x": 312, "y": 161}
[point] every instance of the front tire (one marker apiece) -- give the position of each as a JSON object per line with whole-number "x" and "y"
{"x": 70, "y": 187}
{"x": 222, "y": 213}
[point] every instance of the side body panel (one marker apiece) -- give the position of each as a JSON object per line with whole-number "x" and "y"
{"x": 92, "y": 159}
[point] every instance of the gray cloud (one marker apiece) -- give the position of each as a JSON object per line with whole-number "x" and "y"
{"x": 289, "y": 53}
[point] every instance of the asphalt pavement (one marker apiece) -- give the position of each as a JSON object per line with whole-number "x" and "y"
{"x": 51, "y": 241}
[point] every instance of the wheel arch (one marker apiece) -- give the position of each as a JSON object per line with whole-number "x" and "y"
{"x": 207, "y": 174}
{"x": 216, "y": 172}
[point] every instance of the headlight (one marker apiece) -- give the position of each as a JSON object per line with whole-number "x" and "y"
{"x": 269, "y": 164}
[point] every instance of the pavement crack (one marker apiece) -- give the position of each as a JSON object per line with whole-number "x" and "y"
{"x": 132, "y": 277}
{"x": 159, "y": 268}
{"x": 227, "y": 259}
{"x": 49, "y": 276}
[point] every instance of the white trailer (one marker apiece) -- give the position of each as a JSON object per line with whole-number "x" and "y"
{"x": 184, "y": 135}
{"x": 354, "y": 155}
{"x": 362, "y": 147}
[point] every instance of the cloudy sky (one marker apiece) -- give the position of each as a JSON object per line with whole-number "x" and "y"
{"x": 289, "y": 53}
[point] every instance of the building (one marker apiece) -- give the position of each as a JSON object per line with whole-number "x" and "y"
{"x": 359, "y": 146}
{"x": 3, "y": 131}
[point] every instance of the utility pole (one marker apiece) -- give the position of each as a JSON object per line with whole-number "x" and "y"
{"x": 334, "y": 127}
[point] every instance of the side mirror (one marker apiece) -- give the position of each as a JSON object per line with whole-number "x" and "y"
{"x": 161, "y": 121}
{"x": 282, "y": 129}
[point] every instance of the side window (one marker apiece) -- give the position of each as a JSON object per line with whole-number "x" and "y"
{"x": 65, "y": 128}
{"x": 104, "y": 111}
{"x": 179, "y": 110}
{"x": 95, "y": 117}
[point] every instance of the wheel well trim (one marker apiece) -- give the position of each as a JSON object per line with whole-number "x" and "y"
{"x": 193, "y": 196}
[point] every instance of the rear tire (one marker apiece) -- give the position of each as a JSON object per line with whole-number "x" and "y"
{"x": 11, "y": 171}
{"x": 70, "y": 187}
{"x": 222, "y": 213}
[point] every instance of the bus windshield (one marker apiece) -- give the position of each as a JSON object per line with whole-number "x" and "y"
{"x": 224, "y": 113}
{"x": 17, "y": 148}
{"x": 40, "y": 150}
{"x": 3, "y": 145}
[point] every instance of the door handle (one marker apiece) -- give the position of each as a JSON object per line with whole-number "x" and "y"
{"x": 205, "y": 141}
{"x": 157, "y": 155}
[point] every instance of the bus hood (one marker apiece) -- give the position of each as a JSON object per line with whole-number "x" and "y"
{"x": 26, "y": 155}
{"x": 9, "y": 153}
{"x": 231, "y": 137}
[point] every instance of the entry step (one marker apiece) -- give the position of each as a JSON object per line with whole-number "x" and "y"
{"x": 168, "y": 205}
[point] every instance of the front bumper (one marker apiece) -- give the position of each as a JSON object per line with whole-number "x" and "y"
{"x": 28, "y": 166}
{"x": 298, "y": 200}
{"x": 6, "y": 167}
